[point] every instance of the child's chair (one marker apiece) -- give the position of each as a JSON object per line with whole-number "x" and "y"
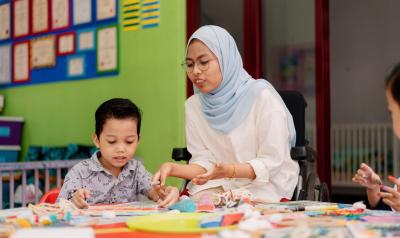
{"x": 50, "y": 196}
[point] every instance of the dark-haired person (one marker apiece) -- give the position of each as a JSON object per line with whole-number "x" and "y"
{"x": 388, "y": 198}
{"x": 111, "y": 175}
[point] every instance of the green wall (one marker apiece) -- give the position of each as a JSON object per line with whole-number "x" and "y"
{"x": 150, "y": 75}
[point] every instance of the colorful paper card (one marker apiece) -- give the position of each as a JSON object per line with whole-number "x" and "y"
{"x": 5, "y": 21}
{"x": 76, "y": 66}
{"x": 21, "y": 18}
{"x": 20, "y": 61}
{"x": 60, "y": 14}
{"x": 40, "y": 16}
{"x": 106, "y": 9}
{"x": 107, "y": 49}
{"x": 5, "y": 66}
{"x": 82, "y": 11}
{"x": 66, "y": 43}
{"x": 85, "y": 40}
{"x": 43, "y": 52}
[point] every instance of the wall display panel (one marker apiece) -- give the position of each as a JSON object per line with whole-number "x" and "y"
{"x": 47, "y": 41}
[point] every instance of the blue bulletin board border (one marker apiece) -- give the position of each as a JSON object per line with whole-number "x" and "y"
{"x": 59, "y": 72}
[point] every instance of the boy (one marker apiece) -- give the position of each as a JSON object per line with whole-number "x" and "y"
{"x": 111, "y": 175}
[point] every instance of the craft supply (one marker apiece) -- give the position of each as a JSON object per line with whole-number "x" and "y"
{"x": 211, "y": 221}
{"x": 185, "y": 205}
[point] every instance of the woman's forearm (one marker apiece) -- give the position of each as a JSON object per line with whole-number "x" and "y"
{"x": 186, "y": 171}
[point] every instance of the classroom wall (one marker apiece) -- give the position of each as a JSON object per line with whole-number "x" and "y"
{"x": 150, "y": 75}
{"x": 364, "y": 47}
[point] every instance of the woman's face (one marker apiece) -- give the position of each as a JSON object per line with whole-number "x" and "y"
{"x": 202, "y": 67}
{"x": 394, "y": 109}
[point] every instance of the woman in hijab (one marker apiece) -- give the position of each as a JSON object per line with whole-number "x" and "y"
{"x": 238, "y": 129}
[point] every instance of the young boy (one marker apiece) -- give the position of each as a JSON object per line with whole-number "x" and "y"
{"x": 111, "y": 175}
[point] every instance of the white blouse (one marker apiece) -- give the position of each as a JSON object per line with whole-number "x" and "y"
{"x": 262, "y": 140}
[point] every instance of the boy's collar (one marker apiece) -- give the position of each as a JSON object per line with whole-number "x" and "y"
{"x": 97, "y": 167}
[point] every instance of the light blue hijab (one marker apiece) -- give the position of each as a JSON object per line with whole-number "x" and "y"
{"x": 228, "y": 105}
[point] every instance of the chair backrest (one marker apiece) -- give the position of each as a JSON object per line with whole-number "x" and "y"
{"x": 296, "y": 105}
{"x": 50, "y": 196}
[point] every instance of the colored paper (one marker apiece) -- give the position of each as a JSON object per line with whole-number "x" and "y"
{"x": 43, "y": 52}
{"x": 107, "y": 49}
{"x": 40, "y": 16}
{"x": 76, "y": 66}
{"x": 21, "y": 18}
{"x": 82, "y": 11}
{"x": 5, "y": 66}
{"x": 106, "y": 9}
{"x": 86, "y": 40}
{"x": 5, "y": 21}
{"x": 21, "y": 62}
{"x": 66, "y": 44}
{"x": 60, "y": 14}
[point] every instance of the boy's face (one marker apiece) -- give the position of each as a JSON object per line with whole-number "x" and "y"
{"x": 117, "y": 142}
{"x": 394, "y": 109}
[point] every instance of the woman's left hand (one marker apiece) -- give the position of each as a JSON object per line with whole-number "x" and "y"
{"x": 392, "y": 196}
{"x": 219, "y": 171}
{"x": 170, "y": 195}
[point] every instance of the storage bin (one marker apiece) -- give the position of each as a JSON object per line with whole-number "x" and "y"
{"x": 11, "y": 130}
{"x": 9, "y": 153}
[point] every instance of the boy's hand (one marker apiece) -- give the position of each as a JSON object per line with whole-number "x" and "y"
{"x": 219, "y": 171}
{"x": 392, "y": 196}
{"x": 169, "y": 197}
{"x": 79, "y": 198}
{"x": 161, "y": 175}
{"x": 366, "y": 177}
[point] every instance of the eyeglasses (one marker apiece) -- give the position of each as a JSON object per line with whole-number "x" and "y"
{"x": 202, "y": 64}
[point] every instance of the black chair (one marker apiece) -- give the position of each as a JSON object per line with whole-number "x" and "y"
{"x": 309, "y": 186}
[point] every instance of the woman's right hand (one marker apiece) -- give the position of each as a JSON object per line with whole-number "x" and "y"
{"x": 79, "y": 198}
{"x": 161, "y": 175}
{"x": 366, "y": 177}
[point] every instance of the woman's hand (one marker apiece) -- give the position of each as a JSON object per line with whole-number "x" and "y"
{"x": 168, "y": 197}
{"x": 219, "y": 171}
{"x": 79, "y": 198}
{"x": 161, "y": 175}
{"x": 366, "y": 177}
{"x": 391, "y": 196}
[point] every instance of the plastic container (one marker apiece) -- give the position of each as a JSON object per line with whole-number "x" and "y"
{"x": 11, "y": 130}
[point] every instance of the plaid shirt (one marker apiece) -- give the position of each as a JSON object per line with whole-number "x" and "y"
{"x": 105, "y": 188}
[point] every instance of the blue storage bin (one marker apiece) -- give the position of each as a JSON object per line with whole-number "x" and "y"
{"x": 9, "y": 153}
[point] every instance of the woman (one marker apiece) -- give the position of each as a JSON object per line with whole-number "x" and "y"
{"x": 238, "y": 129}
{"x": 389, "y": 198}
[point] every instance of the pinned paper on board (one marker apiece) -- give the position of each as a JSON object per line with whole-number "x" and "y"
{"x": 82, "y": 11}
{"x": 76, "y": 66}
{"x": 21, "y": 62}
{"x": 66, "y": 43}
{"x": 5, "y": 19}
{"x": 43, "y": 52}
{"x": 60, "y": 14}
{"x": 107, "y": 50}
{"x": 5, "y": 66}
{"x": 106, "y": 9}
{"x": 40, "y": 16}
{"x": 21, "y": 18}
{"x": 85, "y": 40}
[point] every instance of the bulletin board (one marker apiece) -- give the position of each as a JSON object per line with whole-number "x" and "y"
{"x": 43, "y": 41}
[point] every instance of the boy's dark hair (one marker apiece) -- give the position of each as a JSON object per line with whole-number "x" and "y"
{"x": 393, "y": 83}
{"x": 118, "y": 108}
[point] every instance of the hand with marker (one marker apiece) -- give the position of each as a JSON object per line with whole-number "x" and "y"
{"x": 79, "y": 198}
{"x": 391, "y": 196}
{"x": 366, "y": 177}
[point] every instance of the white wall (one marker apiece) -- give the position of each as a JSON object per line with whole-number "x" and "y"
{"x": 365, "y": 44}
